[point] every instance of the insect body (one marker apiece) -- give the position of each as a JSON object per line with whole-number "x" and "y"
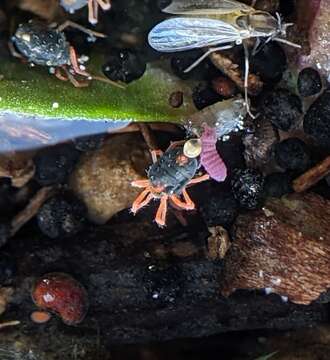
{"x": 72, "y": 5}
{"x": 186, "y": 33}
{"x": 167, "y": 180}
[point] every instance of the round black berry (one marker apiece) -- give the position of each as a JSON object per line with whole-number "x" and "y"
{"x": 309, "y": 82}
{"x": 317, "y": 120}
{"x": 293, "y": 154}
{"x": 219, "y": 209}
{"x": 282, "y": 108}
{"x": 124, "y": 65}
{"x": 278, "y": 184}
{"x": 269, "y": 63}
{"x": 248, "y": 188}
{"x": 54, "y": 164}
{"x": 90, "y": 142}
{"x": 61, "y": 216}
{"x": 204, "y": 96}
{"x": 7, "y": 269}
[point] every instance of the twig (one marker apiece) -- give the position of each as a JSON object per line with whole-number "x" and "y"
{"x": 148, "y": 136}
{"x": 312, "y": 176}
{"x": 31, "y": 209}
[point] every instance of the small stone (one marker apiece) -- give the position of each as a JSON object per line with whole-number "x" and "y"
{"x": 176, "y": 99}
{"x": 218, "y": 242}
{"x": 102, "y": 178}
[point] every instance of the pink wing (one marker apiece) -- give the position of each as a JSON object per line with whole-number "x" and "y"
{"x": 210, "y": 158}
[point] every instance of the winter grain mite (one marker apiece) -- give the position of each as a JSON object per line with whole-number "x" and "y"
{"x": 186, "y": 33}
{"x": 43, "y": 45}
{"x": 168, "y": 177}
{"x": 93, "y": 5}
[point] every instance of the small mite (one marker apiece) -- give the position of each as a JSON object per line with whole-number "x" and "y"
{"x": 72, "y": 5}
{"x": 61, "y": 294}
{"x": 176, "y": 99}
{"x": 168, "y": 177}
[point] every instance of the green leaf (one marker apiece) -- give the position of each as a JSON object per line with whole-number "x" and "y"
{"x": 33, "y": 91}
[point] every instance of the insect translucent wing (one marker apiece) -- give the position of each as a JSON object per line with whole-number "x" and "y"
{"x": 179, "y": 34}
{"x": 206, "y": 7}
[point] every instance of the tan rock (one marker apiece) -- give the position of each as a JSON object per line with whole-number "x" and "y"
{"x": 102, "y": 179}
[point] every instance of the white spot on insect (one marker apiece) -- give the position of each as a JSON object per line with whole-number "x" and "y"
{"x": 83, "y": 59}
{"x": 55, "y": 105}
{"x": 26, "y": 37}
{"x": 82, "y": 67}
{"x": 51, "y": 70}
{"x": 284, "y": 298}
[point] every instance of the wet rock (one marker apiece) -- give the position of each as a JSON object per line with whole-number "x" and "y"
{"x": 282, "y": 108}
{"x": 248, "y": 188}
{"x": 317, "y": 120}
{"x": 293, "y": 154}
{"x": 102, "y": 179}
{"x": 283, "y": 248}
{"x": 259, "y": 143}
{"x": 309, "y": 82}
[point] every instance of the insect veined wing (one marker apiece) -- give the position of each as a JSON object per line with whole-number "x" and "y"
{"x": 206, "y": 7}
{"x": 179, "y": 34}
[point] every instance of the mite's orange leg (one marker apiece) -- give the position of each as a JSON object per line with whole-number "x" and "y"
{"x": 186, "y": 205}
{"x": 175, "y": 144}
{"x": 140, "y": 183}
{"x": 75, "y": 82}
{"x": 142, "y": 200}
{"x": 199, "y": 179}
{"x": 104, "y": 4}
{"x": 74, "y": 63}
{"x": 154, "y": 154}
{"x": 161, "y": 212}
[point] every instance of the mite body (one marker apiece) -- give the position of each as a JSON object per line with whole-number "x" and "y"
{"x": 167, "y": 180}
{"x": 72, "y": 5}
{"x": 190, "y": 32}
{"x": 42, "y": 45}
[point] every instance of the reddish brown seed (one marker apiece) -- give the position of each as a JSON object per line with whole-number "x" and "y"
{"x": 223, "y": 86}
{"x": 63, "y": 295}
{"x": 176, "y": 99}
{"x": 40, "y": 317}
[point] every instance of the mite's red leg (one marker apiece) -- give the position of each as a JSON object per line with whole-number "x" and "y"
{"x": 154, "y": 154}
{"x": 59, "y": 75}
{"x": 142, "y": 200}
{"x": 199, "y": 179}
{"x": 92, "y": 11}
{"x": 72, "y": 24}
{"x": 161, "y": 212}
{"x": 140, "y": 183}
{"x": 74, "y": 63}
{"x": 104, "y": 4}
{"x": 187, "y": 204}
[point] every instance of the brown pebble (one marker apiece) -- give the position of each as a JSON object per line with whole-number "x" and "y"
{"x": 224, "y": 86}
{"x": 176, "y": 99}
{"x": 40, "y": 317}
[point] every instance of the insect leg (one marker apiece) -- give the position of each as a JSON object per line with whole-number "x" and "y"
{"x": 205, "y": 55}
{"x": 283, "y": 41}
{"x": 69, "y": 23}
{"x": 175, "y": 144}
{"x": 73, "y": 81}
{"x": 59, "y": 75}
{"x": 162, "y": 210}
{"x": 104, "y": 4}
{"x": 199, "y": 179}
{"x": 142, "y": 200}
{"x": 246, "y": 79}
{"x": 74, "y": 63}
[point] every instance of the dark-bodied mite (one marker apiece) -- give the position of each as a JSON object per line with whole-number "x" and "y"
{"x": 168, "y": 177}
{"x": 43, "y": 45}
